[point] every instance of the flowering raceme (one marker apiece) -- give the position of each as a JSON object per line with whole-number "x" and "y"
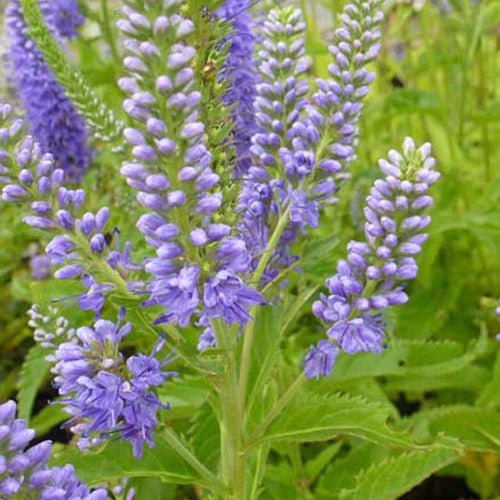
{"x": 31, "y": 178}
{"x": 376, "y": 270}
{"x": 196, "y": 270}
{"x": 102, "y": 390}
{"x": 52, "y": 117}
{"x": 240, "y": 74}
{"x": 305, "y": 142}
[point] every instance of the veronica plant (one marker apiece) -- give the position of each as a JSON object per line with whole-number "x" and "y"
{"x": 184, "y": 338}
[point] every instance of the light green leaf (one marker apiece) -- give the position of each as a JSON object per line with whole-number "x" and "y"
{"x": 477, "y": 428}
{"x": 31, "y": 378}
{"x": 50, "y": 416}
{"x": 185, "y": 396}
{"x": 389, "y": 479}
{"x": 335, "y": 415}
{"x": 116, "y": 461}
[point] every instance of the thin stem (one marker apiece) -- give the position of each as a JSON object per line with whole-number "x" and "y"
{"x": 259, "y": 469}
{"x": 271, "y": 246}
{"x": 108, "y": 31}
{"x": 250, "y": 328}
{"x": 175, "y": 442}
{"x": 279, "y": 406}
{"x": 232, "y": 454}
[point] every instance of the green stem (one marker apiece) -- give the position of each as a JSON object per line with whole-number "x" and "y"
{"x": 175, "y": 442}
{"x": 250, "y": 328}
{"x": 279, "y": 406}
{"x": 262, "y": 453}
{"x": 232, "y": 454}
{"x": 271, "y": 246}
{"x": 108, "y": 32}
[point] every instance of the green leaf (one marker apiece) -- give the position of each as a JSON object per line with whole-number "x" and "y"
{"x": 389, "y": 479}
{"x": 47, "y": 418}
{"x": 471, "y": 378}
{"x": 316, "y": 418}
{"x": 477, "y": 428}
{"x": 185, "y": 396}
{"x": 31, "y": 378}
{"x": 418, "y": 358}
{"x": 115, "y": 461}
{"x": 490, "y": 395}
{"x": 205, "y": 436}
{"x": 314, "y": 466}
{"x": 342, "y": 472}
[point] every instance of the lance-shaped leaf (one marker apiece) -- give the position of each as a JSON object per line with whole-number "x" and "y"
{"x": 315, "y": 418}
{"x": 389, "y": 479}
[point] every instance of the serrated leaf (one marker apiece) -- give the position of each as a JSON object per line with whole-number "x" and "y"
{"x": 471, "y": 378}
{"x": 477, "y": 428}
{"x": 421, "y": 358}
{"x": 31, "y": 378}
{"x": 389, "y": 479}
{"x": 205, "y": 436}
{"x": 334, "y": 415}
{"x": 116, "y": 461}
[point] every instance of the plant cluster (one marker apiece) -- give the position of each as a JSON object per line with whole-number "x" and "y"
{"x": 205, "y": 315}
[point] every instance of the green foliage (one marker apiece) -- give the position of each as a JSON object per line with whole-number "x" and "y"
{"x": 115, "y": 461}
{"x": 31, "y": 378}
{"x": 477, "y": 428}
{"x": 334, "y": 415}
{"x": 388, "y": 479}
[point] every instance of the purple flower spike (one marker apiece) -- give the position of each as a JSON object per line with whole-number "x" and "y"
{"x": 376, "y": 270}
{"x": 172, "y": 171}
{"x": 240, "y": 74}
{"x": 105, "y": 392}
{"x": 53, "y": 119}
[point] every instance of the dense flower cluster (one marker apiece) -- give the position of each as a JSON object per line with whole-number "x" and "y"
{"x": 104, "y": 391}
{"x": 240, "y": 75}
{"x": 376, "y": 270}
{"x": 196, "y": 270}
{"x": 53, "y": 120}
{"x": 304, "y": 143}
{"x": 24, "y": 472}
